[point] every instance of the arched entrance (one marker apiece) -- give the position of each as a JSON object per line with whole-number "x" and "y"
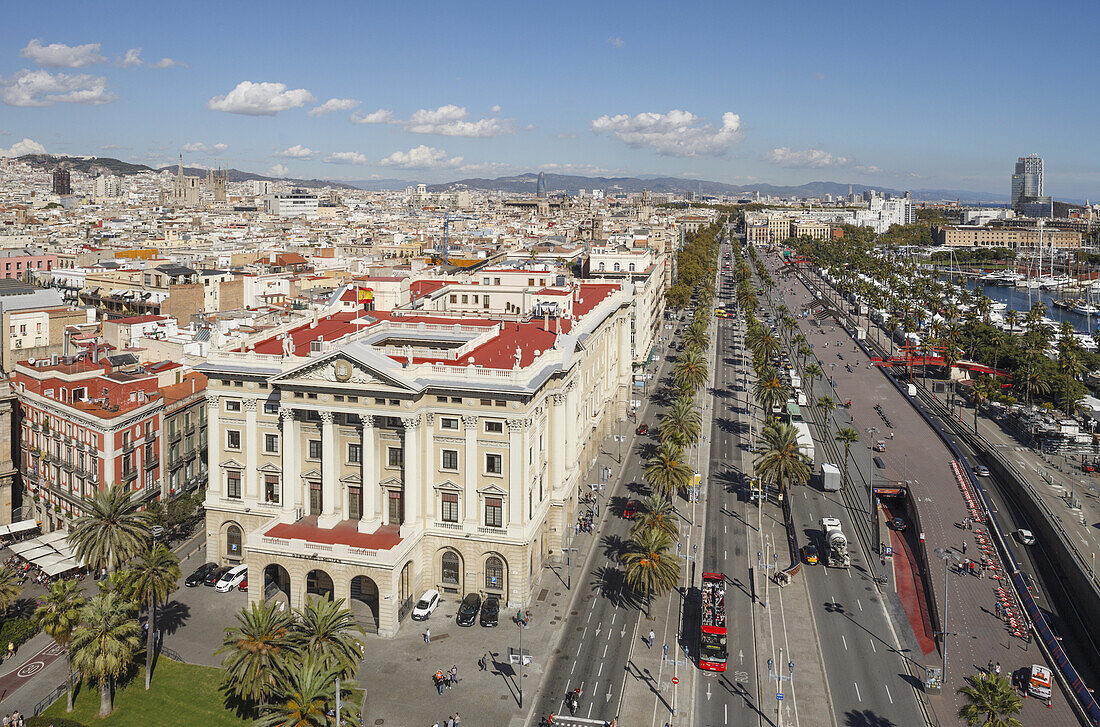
{"x": 364, "y": 603}
{"x": 233, "y": 536}
{"x": 319, "y": 583}
{"x": 276, "y": 583}
{"x": 450, "y": 571}
{"x": 496, "y": 577}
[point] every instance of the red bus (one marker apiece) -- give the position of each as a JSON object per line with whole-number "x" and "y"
{"x": 712, "y": 629}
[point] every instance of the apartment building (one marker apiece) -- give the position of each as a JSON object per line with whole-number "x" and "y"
{"x": 1014, "y": 238}
{"x": 370, "y": 456}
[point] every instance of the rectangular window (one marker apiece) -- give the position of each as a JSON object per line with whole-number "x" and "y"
{"x": 271, "y": 407}
{"x": 395, "y": 456}
{"x": 232, "y": 405}
{"x": 355, "y": 453}
{"x": 498, "y": 402}
{"x": 448, "y": 423}
{"x": 232, "y": 439}
{"x": 233, "y": 484}
{"x": 355, "y": 503}
{"x": 449, "y": 512}
{"x": 271, "y": 443}
{"x": 315, "y": 449}
{"x": 271, "y": 489}
{"x": 494, "y": 512}
{"x": 450, "y": 459}
{"x": 494, "y": 464}
{"x": 494, "y": 427}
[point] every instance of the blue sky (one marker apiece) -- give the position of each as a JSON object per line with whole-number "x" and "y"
{"x": 920, "y": 95}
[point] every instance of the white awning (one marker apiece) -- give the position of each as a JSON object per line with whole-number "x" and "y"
{"x": 23, "y": 526}
{"x": 51, "y": 538}
{"x": 47, "y": 560}
{"x": 24, "y": 547}
{"x": 60, "y": 567}
{"x": 38, "y": 552}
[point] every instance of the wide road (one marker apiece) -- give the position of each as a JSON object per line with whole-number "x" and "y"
{"x": 916, "y": 454}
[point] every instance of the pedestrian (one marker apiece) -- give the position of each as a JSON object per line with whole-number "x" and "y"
{"x": 989, "y": 668}
{"x": 428, "y": 635}
{"x": 457, "y": 718}
{"x": 997, "y": 669}
{"x": 451, "y": 721}
{"x": 481, "y": 663}
{"x": 7, "y": 720}
{"x": 454, "y": 674}
{"x": 359, "y": 716}
{"x": 651, "y": 637}
{"x": 964, "y": 547}
{"x": 11, "y": 649}
{"x": 439, "y": 682}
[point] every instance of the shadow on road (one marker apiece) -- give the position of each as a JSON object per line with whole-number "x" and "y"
{"x": 866, "y": 718}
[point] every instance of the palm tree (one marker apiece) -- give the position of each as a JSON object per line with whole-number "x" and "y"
{"x": 667, "y": 472}
{"x": 650, "y": 567}
{"x": 258, "y": 648}
{"x": 770, "y": 391}
{"x": 681, "y": 423}
{"x": 691, "y": 370}
{"x": 328, "y": 629}
{"x": 58, "y": 614}
{"x": 991, "y": 701}
{"x": 826, "y": 404}
{"x": 9, "y": 589}
{"x": 113, "y": 529}
{"x": 981, "y": 390}
{"x": 153, "y": 576}
{"x": 782, "y": 463}
{"x": 657, "y": 513}
{"x": 696, "y": 337}
{"x": 846, "y": 436}
{"x": 301, "y": 696}
{"x": 812, "y": 372}
{"x": 105, "y": 643}
{"x": 1071, "y": 365}
{"x": 1012, "y": 319}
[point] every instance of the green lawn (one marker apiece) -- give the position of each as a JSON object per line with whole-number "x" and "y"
{"x": 181, "y": 694}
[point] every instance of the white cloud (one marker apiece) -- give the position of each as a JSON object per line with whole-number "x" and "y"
{"x": 381, "y": 116}
{"x": 279, "y": 170}
{"x": 420, "y": 157}
{"x": 333, "y": 104}
{"x": 59, "y": 55}
{"x": 19, "y": 148}
{"x": 347, "y": 157}
{"x": 296, "y": 152}
{"x": 615, "y": 42}
{"x": 447, "y": 120}
{"x": 167, "y": 63}
{"x": 495, "y": 109}
{"x": 113, "y": 147}
{"x": 198, "y": 146}
{"x": 784, "y": 156}
{"x": 677, "y": 133}
{"x": 131, "y": 59}
{"x": 260, "y": 99}
{"x": 42, "y": 88}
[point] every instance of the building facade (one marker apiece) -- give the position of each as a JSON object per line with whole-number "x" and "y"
{"x": 372, "y": 458}
{"x": 1014, "y": 238}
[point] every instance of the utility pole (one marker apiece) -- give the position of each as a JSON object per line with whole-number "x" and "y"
{"x": 774, "y": 673}
{"x": 871, "y": 432}
{"x": 947, "y": 555}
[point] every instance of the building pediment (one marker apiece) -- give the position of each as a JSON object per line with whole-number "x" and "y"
{"x": 493, "y": 490}
{"x": 232, "y": 464}
{"x": 313, "y": 474}
{"x": 353, "y": 479}
{"x": 449, "y": 486}
{"x": 270, "y": 469}
{"x": 341, "y": 370}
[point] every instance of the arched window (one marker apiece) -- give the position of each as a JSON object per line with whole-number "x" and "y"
{"x": 602, "y": 267}
{"x": 450, "y": 566}
{"x": 616, "y": 267}
{"x": 494, "y": 573}
{"x": 631, "y": 267}
{"x": 233, "y": 541}
{"x": 404, "y": 592}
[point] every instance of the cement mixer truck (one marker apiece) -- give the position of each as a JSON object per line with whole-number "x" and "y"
{"x": 836, "y": 545}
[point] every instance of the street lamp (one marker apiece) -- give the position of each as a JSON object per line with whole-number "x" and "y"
{"x": 947, "y": 556}
{"x": 871, "y": 432}
{"x": 779, "y": 679}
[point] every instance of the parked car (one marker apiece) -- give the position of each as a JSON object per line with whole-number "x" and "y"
{"x": 898, "y": 524}
{"x": 428, "y": 602}
{"x": 642, "y": 430}
{"x": 200, "y": 574}
{"x": 490, "y": 612}
{"x": 630, "y": 509}
{"x": 232, "y": 578}
{"x": 467, "y": 610}
{"x": 243, "y": 586}
{"x": 981, "y": 471}
{"x": 1089, "y": 467}
{"x": 1025, "y": 536}
{"x": 880, "y": 445}
{"x": 809, "y": 554}
{"x": 215, "y": 575}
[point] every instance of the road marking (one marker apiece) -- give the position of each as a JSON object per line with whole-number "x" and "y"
{"x": 600, "y": 670}
{"x": 888, "y": 693}
{"x": 573, "y": 667}
{"x": 604, "y": 651}
{"x": 726, "y": 713}
{"x": 585, "y": 632}
{"x": 857, "y": 692}
{"x": 860, "y": 604}
{"x": 613, "y": 617}
{"x": 724, "y": 556}
{"x": 845, "y": 642}
{"x": 873, "y": 646}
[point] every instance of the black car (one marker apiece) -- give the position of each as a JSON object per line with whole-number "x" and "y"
{"x": 215, "y": 575}
{"x": 897, "y": 524}
{"x": 199, "y": 576}
{"x": 490, "y": 611}
{"x": 467, "y": 610}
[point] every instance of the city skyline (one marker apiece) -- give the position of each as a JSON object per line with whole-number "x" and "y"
{"x": 619, "y": 91}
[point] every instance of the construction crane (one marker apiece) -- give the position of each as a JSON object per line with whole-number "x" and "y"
{"x": 447, "y": 217}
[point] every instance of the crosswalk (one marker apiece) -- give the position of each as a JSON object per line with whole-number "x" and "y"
{"x": 567, "y": 721}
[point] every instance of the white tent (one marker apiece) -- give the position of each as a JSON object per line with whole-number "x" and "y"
{"x": 22, "y": 526}
{"x": 46, "y": 561}
{"x": 63, "y": 566}
{"x": 51, "y": 538}
{"x": 38, "y": 552}
{"x": 24, "y": 547}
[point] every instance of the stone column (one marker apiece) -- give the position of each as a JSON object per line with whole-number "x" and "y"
{"x": 626, "y": 360}
{"x": 213, "y": 450}
{"x": 329, "y": 467}
{"x": 572, "y": 435}
{"x": 469, "y": 471}
{"x": 557, "y": 445}
{"x": 251, "y": 451}
{"x": 517, "y": 488}
{"x": 412, "y": 479}
{"x": 369, "y": 476}
{"x": 292, "y": 477}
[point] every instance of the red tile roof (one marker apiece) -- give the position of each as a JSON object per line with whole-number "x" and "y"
{"x": 344, "y": 532}
{"x": 140, "y": 319}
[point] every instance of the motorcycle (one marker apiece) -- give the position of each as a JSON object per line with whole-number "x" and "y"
{"x": 573, "y": 701}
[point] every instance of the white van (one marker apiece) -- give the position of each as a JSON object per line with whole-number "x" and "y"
{"x": 232, "y": 578}
{"x": 1039, "y": 681}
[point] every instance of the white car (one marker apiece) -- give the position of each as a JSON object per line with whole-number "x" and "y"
{"x": 1025, "y": 536}
{"x": 427, "y": 603}
{"x": 231, "y": 579}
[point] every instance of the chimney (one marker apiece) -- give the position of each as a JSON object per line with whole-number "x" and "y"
{"x": 65, "y": 345}
{"x": 545, "y": 320}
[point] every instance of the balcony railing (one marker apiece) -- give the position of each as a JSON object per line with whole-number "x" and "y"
{"x": 175, "y": 436}
{"x": 151, "y": 463}
{"x": 129, "y": 476}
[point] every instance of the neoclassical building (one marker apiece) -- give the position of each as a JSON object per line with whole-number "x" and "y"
{"x": 372, "y": 455}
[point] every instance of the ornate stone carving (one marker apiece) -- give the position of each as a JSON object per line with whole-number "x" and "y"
{"x": 367, "y": 420}
{"x": 340, "y": 371}
{"x": 559, "y": 398}
{"x": 429, "y": 419}
{"x": 213, "y": 401}
{"x": 286, "y": 414}
{"x": 469, "y": 421}
{"x": 411, "y": 422}
{"x": 250, "y": 405}
{"x": 518, "y": 425}
{"x": 327, "y": 417}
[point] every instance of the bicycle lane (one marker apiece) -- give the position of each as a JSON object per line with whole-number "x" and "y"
{"x": 13, "y": 680}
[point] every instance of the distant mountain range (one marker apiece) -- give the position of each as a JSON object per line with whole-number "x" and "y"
{"x": 108, "y": 165}
{"x": 526, "y": 183}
